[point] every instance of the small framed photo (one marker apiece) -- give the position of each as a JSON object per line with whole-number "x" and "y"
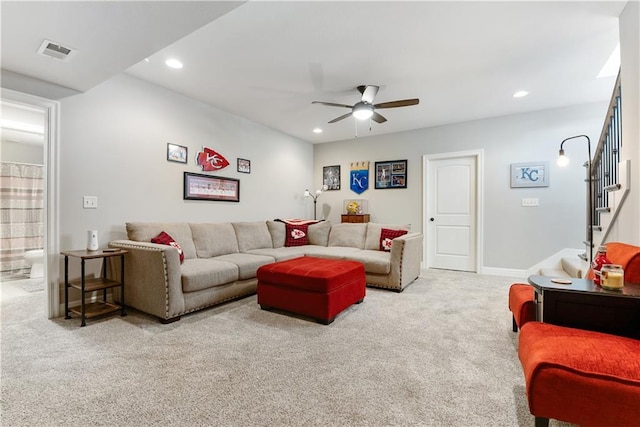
{"x": 208, "y": 187}
{"x": 176, "y": 153}
{"x": 331, "y": 177}
{"x": 391, "y": 174}
{"x": 244, "y": 165}
{"x": 530, "y": 174}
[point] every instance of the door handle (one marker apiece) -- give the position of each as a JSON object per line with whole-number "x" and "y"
{"x": 432, "y": 219}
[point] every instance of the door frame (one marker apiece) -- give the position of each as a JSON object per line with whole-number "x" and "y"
{"x": 426, "y": 208}
{"x": 51, "y": 111}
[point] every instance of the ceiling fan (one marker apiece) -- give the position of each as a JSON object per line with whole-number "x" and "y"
{"x": 366, "y": 108}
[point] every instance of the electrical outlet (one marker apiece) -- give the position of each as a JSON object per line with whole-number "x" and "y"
{"x": 90, "y": 202}
{"x": 530, "y": 202}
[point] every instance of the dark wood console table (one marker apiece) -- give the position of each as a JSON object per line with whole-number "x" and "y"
{"x": 583, "y": 304}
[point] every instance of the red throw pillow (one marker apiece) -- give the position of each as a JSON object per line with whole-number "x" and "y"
{"x": 386, "y": 237}
{"x": 296, "y": 235}
{"x": 164, "y": 239}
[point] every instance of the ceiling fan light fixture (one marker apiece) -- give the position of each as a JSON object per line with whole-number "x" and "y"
{"x": 362, "y": 111}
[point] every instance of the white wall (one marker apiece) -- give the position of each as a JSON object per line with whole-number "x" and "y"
{"x": 628, "y": 228}
{"x": 514, "y": 237}
{"x": 113, "y": 142}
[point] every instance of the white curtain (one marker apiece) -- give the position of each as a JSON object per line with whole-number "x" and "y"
{"x": 21, "y": 214}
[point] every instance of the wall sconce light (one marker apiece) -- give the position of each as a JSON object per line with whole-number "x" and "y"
{"x": 563, "y": 160}
{"x": 315, "y": 196}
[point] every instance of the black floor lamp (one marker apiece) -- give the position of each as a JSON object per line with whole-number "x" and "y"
{"x": 563, "y": 161}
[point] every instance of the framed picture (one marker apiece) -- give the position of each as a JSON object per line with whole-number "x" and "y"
{"x": 244, "y": 165}
{"x": 176, "y": 153}
{"x": 530, "y": 174}
{"x": 331, "y": 177}
{"x": 391, "y": 174}
{"x": 207, "y": 187}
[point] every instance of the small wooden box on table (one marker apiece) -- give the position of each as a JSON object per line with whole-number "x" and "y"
{"x": 86, "y": 285}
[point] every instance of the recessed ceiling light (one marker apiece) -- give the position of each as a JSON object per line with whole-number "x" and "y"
{"x": 173, "y": 63}
{"x": 317, "y": 130}
{"x": 146, "y": 60}
{"x": 520, "y": 94}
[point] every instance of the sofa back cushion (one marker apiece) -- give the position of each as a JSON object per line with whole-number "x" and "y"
{"x": 180, "y": 231}
{"x": 348, "y": 234}
{"x": 277, "y": 231}
{"x": 372, "y": 241}
{"x": 319, "y": 233}
{"x": 252, "y": 235}
{"x": 214, "y": 239}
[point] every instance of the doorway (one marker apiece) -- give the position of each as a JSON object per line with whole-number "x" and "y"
{"x": 47, "y": 110}
{"x": 452, "y": 221}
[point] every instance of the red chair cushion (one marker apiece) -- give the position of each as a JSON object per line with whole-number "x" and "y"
{"x": 582, "y": 377}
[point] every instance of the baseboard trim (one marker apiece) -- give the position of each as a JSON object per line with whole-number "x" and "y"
{"x": 507, "y": 272}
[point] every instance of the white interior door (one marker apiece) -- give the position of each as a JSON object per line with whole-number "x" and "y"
{"x": 451, "y": 221}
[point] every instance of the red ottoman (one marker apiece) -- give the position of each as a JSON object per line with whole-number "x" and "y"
{"x": 314, "y": 287}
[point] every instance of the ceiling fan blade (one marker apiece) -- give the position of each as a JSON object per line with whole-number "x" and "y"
{"x": 332, "y": 104}
{"x": 337, "y": 119}
{"x": 401, "y": 103}
{"x": 368, "y": 93}
{"x": 378, "y": 118}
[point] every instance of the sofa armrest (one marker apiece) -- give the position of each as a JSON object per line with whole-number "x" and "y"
{"x": 406, "y": 257}
{"x": 152, "y": 281}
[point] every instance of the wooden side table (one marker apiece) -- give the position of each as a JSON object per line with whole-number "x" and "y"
{"x": 359, "y": 218}
{"x": 95, "y": 284}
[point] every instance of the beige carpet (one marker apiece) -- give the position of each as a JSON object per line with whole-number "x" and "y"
{"x": 439, "y": 354}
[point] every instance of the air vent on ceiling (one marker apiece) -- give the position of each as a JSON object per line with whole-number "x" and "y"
{"x": 56, "y": 50}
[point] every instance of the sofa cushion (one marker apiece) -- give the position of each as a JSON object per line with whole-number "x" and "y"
{"x": 296, "y": 235}
{"x": 247, "y": 264}
{"x": 277, "y": 231}
{"x": 374, "y": 230}
{"x": 164, "y": 239}
{"x": 348, "y": 235}
{"x": 212, "y": 240}
{"x": 252, "y": 235}
{"x": 332, "y": 252}
{"x": 180, "y": 231}
{"x": 377, "y": 262}
{"x": 386, "y": 238}
{"x": 319, "y": 233}
{"x": 204, "y": 273}
{"x": 281, "y": 254}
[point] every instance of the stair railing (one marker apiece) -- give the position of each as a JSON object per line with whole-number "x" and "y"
{"x": 605, "y": 168}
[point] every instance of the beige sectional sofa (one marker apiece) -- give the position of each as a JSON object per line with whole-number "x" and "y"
{"x": 221, "y": 260}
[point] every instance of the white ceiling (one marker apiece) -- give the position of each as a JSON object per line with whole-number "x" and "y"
{"x": 267, "y": 61}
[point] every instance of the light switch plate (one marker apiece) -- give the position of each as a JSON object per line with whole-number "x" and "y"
{"x": 90, "y": 202}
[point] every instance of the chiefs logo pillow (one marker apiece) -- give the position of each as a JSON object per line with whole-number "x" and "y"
{"x": 164, "y": 239}
{"x": 296, "y": 235}
{"x": 387, "y": 236}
